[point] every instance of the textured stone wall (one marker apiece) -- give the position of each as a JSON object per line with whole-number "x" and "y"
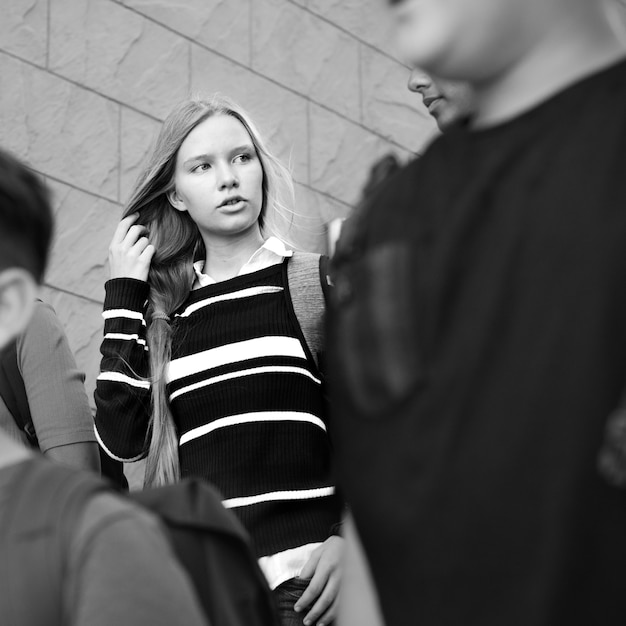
{"x": 84, "y": 85}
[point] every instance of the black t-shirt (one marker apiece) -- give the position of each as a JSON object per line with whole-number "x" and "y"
{"x": 478, "y": 344}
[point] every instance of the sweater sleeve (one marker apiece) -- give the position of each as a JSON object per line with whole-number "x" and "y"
{"x": 123, "y": 389}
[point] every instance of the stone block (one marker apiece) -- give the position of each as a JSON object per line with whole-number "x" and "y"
{"x": 60, "y": 129}
{"x": 84, "y": 225}
{"x": 138, "y": 134}
{"x": 280, "y": 115}
{"x": 342, "y": 154}
{"x": 119, "y": 53}
{"x": 369, "y": 20}
{"x": 24, "y": 29}
{"x": 388, "y": 106}
{"x": 82, "y": 320}
{"x": 313, "y": 212}
{"x": 222, "y": 25}
{"x": 302, "y": 227}
{"x": 307, "y": 54}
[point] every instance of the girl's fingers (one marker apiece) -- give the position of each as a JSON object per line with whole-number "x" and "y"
{"x": 148, "y": 253}
{"x": 122, "y": 228}
{"x": 141, "y": 245}
{"x": 309, "y": 569}
{"x": 314, "y": 590}
{"x": 133, "y": 235}
{"x": 330, "y": 615}
{"x": 324, "y": 602}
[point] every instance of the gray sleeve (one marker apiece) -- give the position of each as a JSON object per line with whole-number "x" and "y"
{"x": 122, "y": 571}
{"x": 56, "y": 394}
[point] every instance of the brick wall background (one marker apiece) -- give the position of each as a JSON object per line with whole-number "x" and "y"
{"x": 84, "y": 85}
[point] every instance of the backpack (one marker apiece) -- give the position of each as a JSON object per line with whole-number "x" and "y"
{"x": 209, "y": 542}
{"x": 13, "y": 392}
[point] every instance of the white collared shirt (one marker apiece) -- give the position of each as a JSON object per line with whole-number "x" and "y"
{"x": 272, "y": 252}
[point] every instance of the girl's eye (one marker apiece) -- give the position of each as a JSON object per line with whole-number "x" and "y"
{"x": 203, "y": 167}
{"x": 243, "y": 158}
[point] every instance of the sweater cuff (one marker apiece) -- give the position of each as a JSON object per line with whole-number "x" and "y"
{"x": 126, "y": 293}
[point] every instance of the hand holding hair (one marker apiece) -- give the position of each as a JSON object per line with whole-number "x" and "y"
{"x": 130, "y": 252}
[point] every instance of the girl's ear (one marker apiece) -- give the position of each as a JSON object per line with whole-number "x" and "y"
{"x": 176, "y": 201}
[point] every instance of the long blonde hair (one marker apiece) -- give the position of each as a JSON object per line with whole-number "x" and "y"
{"x": 178, "y": 244}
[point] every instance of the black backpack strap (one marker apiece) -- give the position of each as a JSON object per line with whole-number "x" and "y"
{"x": 13, "y": 393}
{"x": 44, "y": 506}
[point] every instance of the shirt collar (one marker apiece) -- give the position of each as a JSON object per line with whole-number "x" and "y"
{"x": 272, "y": 251}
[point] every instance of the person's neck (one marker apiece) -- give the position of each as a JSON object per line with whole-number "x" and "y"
{"x": 574, "y": 49}
{"x": 225, "y": 256}
{"x": 11, "y": 452}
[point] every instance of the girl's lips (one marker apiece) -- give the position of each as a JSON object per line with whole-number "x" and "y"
{"x": 232, "y": 206}
{"x": 231, "y": 200}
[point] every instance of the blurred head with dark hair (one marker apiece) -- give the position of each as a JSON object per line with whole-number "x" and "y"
{"x": 25, "y": 234}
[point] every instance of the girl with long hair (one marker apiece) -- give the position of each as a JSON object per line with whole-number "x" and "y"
{"x": 206, "y": 370}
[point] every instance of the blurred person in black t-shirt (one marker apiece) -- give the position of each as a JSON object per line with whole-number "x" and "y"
{"x": 478, "y": 330}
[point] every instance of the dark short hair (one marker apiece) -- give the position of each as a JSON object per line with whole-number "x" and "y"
{"x": 25, "y": 218}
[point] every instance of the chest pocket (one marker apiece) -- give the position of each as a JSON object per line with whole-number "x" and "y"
{"x": 378, "y": 361}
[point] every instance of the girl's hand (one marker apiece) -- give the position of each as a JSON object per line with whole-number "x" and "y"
{"x": 324, "y": 569}
{"x": 130, "y": 253}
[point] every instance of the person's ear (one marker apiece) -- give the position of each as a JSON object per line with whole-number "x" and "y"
{"x": 175, "y": 200}
{"x": 18, "y": 290}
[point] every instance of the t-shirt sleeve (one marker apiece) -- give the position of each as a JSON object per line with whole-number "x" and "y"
{"x": 122, "y": 571}
{"x": 54, "y": 385}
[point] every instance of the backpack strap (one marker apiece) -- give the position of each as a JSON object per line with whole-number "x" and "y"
{"x": 13, "y": 393}
{"x": 325, "y": 279}
{"x": 215, "y": 550}
{"x": 46, "y": 501}
{"x": 307, "y": 277}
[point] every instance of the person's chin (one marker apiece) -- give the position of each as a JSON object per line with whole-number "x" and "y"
{"x": 237, "y": 223}
{"x": 446, "y": 118}
{"x": 443, "y": 123}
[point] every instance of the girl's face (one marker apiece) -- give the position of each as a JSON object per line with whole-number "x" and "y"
{"x": 463, "y": 39}
{"x": 219, "y": 178}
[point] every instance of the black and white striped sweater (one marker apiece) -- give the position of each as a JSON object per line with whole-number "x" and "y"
{"x": 246, "y": 397}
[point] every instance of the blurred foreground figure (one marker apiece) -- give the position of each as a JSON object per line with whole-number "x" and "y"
{"x": 119, "y": 568}
{"x": 478, "y": 330}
